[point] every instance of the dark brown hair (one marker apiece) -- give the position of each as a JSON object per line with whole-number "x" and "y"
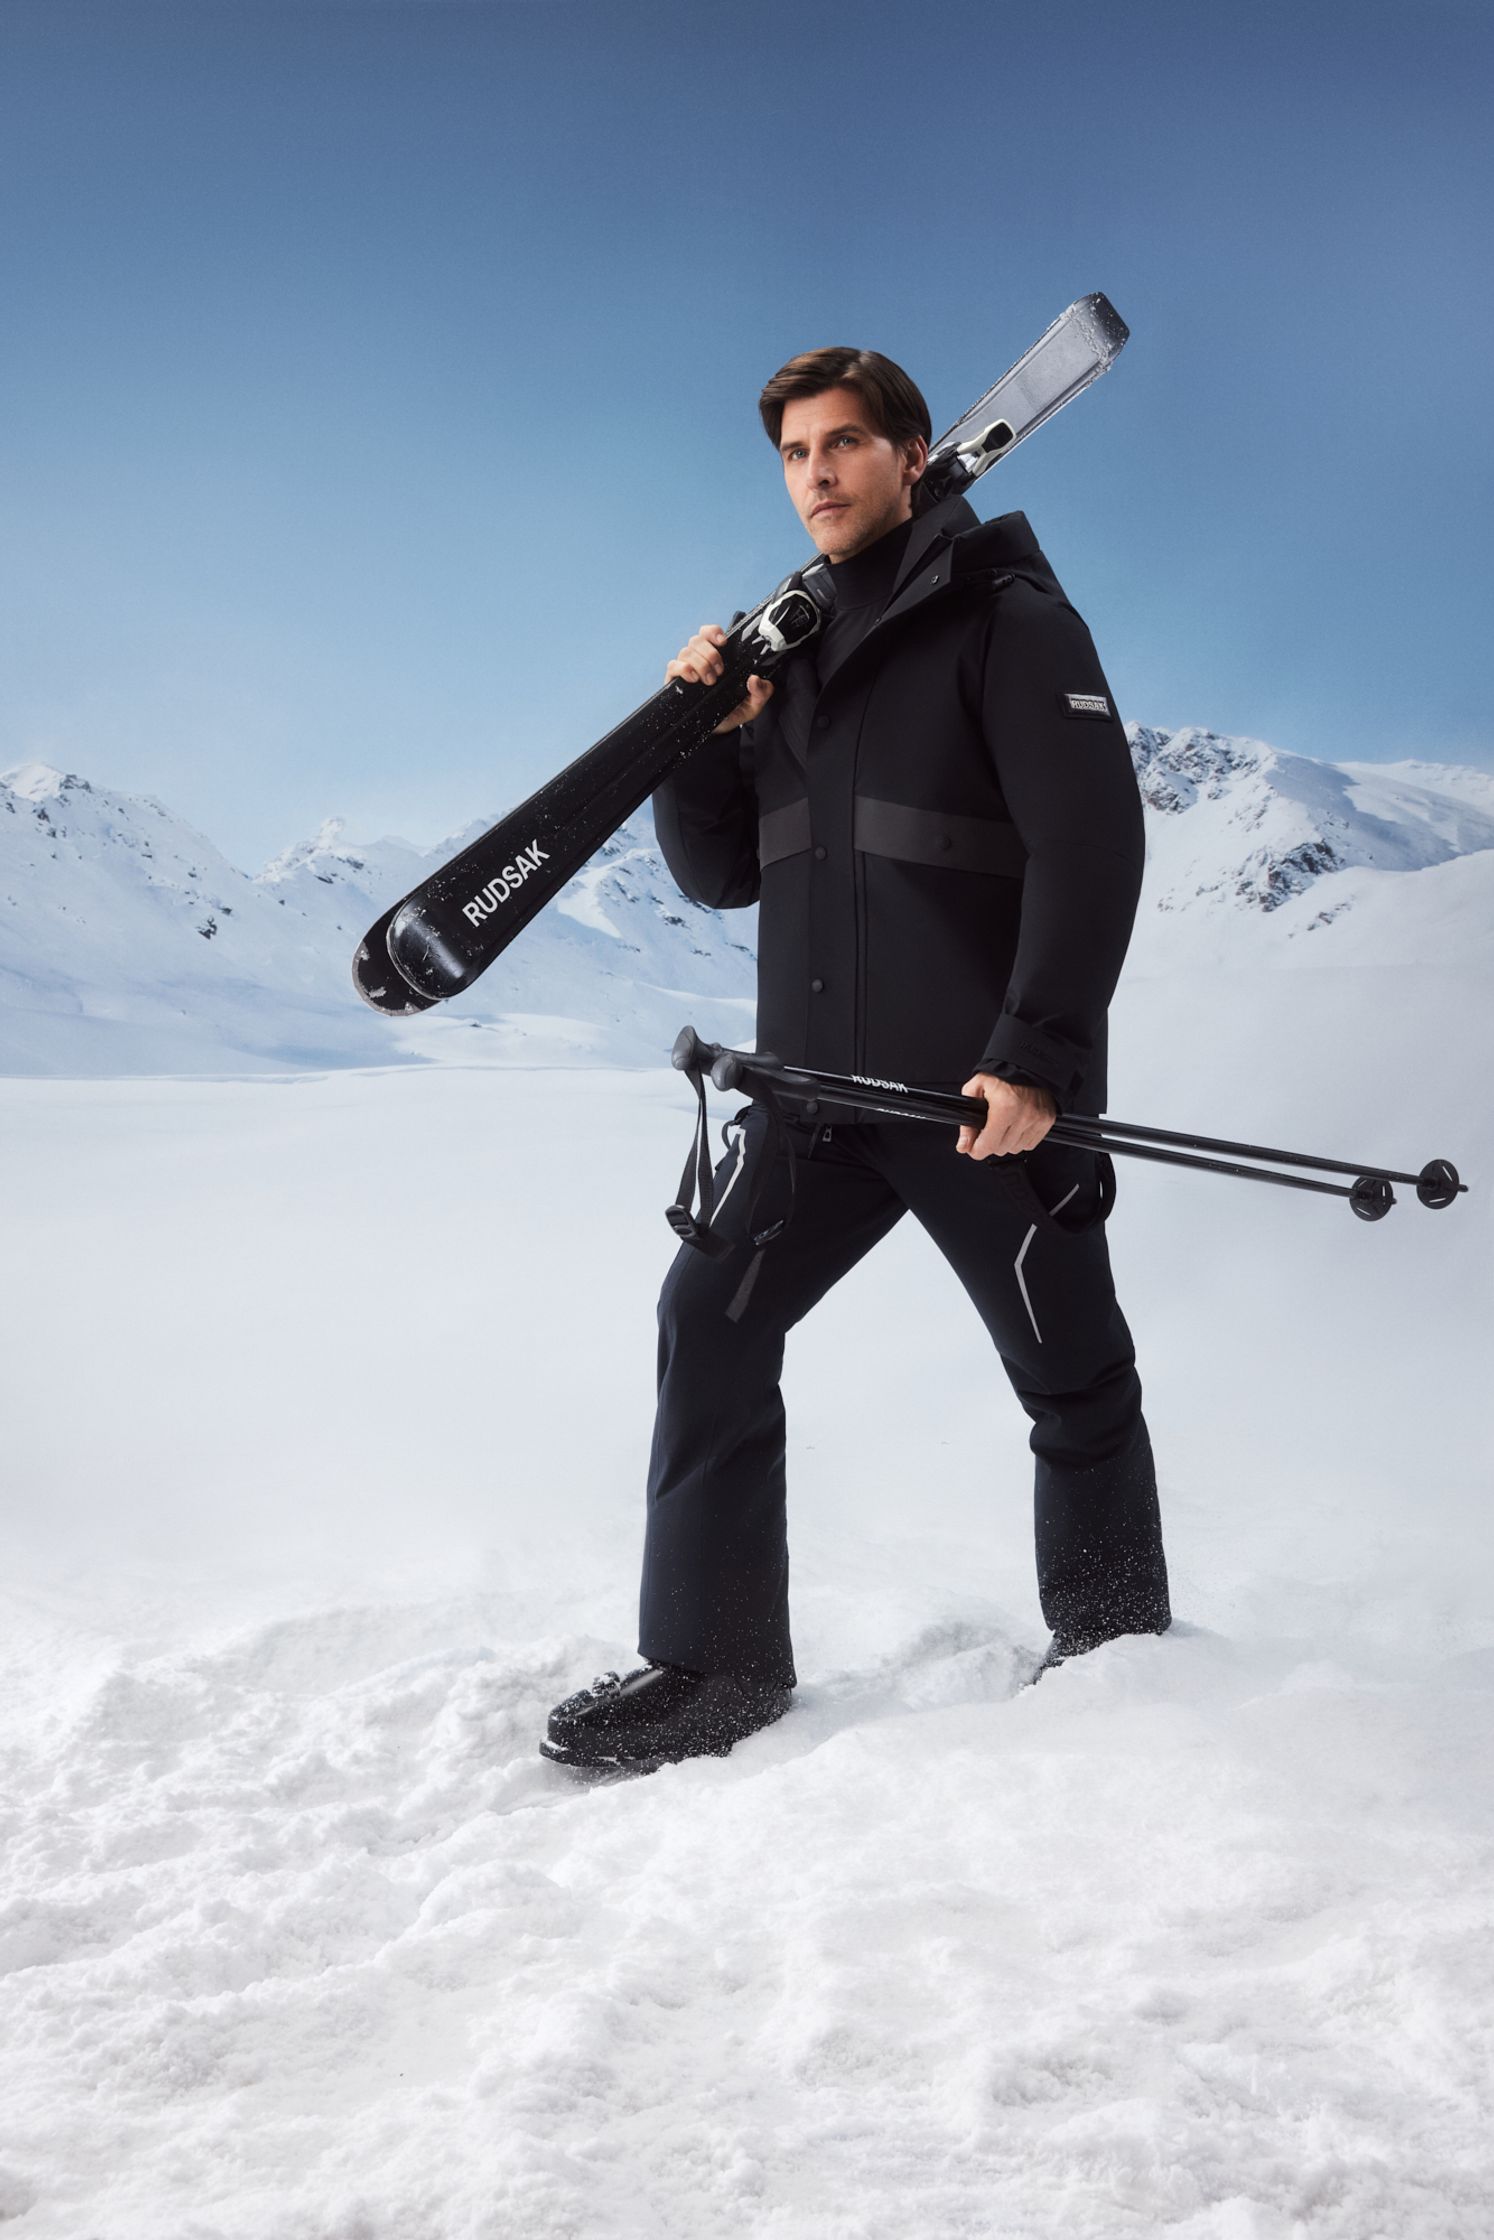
{"x": 894, "y": 403}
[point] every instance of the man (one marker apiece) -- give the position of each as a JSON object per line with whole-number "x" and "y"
{"x": 937, "y": 812}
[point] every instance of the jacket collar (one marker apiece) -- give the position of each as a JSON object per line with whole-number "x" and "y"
{"x": 948, "y": 542}
{"x": 951, "y": 541}
{"x": 936, "y": 527}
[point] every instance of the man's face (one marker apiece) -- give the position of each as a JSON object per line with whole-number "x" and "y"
{"x": 849, "y": 484}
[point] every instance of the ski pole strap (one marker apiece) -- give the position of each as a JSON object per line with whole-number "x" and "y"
{"x": 694, "y": 1209}
{"x": 688, "y": 1226}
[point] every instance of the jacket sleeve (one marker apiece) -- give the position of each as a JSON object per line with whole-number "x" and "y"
{"x": 1069, "y": 786}
{"x": 705, "y": 814}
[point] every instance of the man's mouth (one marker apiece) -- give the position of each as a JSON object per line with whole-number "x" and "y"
{"x": 830, "y": 505}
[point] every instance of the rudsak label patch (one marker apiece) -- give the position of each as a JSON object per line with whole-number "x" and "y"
{"x": 1084, "y": 704}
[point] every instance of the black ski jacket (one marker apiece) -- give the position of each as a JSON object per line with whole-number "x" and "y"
{"x": 946, "y": 840}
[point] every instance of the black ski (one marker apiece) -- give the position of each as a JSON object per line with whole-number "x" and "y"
{"x": 438, "y": 939}
{"x": 449, "y": 929}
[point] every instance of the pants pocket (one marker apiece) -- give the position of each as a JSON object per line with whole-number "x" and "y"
{"x": 1067, "y": 1189}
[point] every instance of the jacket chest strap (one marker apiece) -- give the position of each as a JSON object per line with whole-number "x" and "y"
{"x": 890, "y": 828}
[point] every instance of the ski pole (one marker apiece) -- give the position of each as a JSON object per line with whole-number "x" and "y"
{"x": 1370, "y": 1195}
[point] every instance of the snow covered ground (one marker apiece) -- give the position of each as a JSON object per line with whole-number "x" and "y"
{"x": 329, "y": 1403}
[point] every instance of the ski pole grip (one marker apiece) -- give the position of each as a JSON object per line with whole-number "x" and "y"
{"x": 734, "y": 1068}
{"x": 690, "y": 1054}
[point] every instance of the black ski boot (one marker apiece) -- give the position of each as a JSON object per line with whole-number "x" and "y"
{"x": 659, "y": 1715}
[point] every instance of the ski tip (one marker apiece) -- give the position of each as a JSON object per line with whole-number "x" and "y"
{"x": 380, "y": 986}
{"x": 395, "y": 1002}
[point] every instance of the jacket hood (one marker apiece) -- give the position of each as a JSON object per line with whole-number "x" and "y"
{"x": 951, "y": 540}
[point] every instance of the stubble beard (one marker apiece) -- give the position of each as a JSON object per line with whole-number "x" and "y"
{"x": 892, "y": 519}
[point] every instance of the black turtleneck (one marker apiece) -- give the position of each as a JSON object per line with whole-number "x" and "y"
{"x": 863, "y": 586}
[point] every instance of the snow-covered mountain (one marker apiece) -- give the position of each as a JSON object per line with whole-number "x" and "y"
{"x": 128, "y": 944}
{"x": 1256, "y": 850}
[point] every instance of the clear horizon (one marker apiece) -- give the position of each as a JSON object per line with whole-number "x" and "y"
{"x": 379, "y": 407}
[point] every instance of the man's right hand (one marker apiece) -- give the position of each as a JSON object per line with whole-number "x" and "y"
{"x": 700, "y": 662}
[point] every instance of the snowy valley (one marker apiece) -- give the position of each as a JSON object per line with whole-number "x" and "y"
{"x": 331, "y": 1377}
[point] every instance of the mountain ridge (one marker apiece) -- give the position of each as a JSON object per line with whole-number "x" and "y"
{"x": 129, "y": 943}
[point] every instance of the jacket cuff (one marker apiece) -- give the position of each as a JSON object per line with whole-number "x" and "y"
{"x": 1023, "y": 1053}
{"x": 1018, "y": 1079}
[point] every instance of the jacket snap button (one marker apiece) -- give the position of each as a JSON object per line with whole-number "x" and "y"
{"x": 818, "y": 986}
{"x": 819, "y": 855}
{"x": 944, "y": 843}
{"x": 822, "y": 723}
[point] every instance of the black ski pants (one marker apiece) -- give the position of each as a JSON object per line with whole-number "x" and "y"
{"x": 1026, "y": 1239}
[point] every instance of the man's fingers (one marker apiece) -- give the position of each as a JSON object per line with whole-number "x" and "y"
{"x": 759, "y": 692}
{"x": 972, "y": 1138}
{"x": 743, "y": 712}
{"x": 1017, "y": 1118}
{"x": 995, "y": 1141}
{"x": 699, "y": 661}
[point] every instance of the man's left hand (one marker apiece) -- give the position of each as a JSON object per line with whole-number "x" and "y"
{"x": 1017, "y": 1118}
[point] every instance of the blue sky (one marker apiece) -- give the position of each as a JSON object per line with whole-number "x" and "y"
{"x": 377, "y": 402}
